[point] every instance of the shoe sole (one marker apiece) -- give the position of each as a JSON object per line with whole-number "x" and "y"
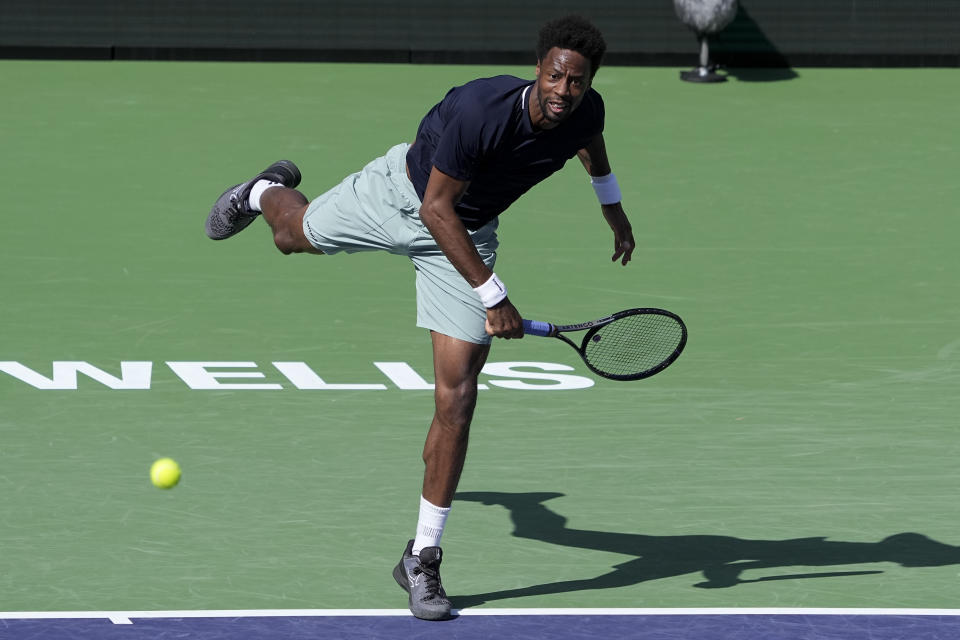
{"x": 288, "y": 167}
{"x": 215, "y": 225}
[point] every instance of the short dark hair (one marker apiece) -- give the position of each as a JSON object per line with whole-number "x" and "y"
{"x": 575, "y": 33}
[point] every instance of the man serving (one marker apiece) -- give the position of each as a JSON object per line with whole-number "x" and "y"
{"x": 437, "y": 201}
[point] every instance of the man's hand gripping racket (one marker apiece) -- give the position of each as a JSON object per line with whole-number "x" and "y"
{"x": 628, "y": 345}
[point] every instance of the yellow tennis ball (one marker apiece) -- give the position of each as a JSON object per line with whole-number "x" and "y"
{"x": 165, "y": 473}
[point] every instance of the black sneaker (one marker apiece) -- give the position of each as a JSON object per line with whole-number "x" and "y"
{"x": 231, "y": 213}
{"x": 420, "y": 577}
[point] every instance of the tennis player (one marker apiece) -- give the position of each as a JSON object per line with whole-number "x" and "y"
{"x": 437, "y": 201}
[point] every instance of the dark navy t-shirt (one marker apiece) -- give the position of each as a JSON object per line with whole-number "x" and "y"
{"x": 481, "y": 132}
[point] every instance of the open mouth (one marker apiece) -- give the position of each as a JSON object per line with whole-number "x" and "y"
{"x": 557, "y": 107}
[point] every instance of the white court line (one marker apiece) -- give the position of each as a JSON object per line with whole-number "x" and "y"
{"x": 126, "y": 617}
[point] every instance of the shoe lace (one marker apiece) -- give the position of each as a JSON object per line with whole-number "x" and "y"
{"x": 431, "y": 585}
{"x": 237, "y": 209}
{"x": 235, "y": 205}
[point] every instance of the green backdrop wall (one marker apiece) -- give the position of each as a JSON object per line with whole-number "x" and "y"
{"x": 886, "y": 32}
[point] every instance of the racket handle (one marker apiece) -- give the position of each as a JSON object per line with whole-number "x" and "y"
{"x": 537, "y": 328}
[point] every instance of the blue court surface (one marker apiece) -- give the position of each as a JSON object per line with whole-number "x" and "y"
{"x": 518, "y": 624}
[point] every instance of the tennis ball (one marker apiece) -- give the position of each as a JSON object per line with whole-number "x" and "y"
{"x": 165, "y": 473}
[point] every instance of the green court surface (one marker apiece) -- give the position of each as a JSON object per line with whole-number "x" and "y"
{"x": 806, "y": 230}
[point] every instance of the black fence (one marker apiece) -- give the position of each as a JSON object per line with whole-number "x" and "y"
{"x": 764, "y": 33}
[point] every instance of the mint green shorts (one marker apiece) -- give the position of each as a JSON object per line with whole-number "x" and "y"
{"x": 377, "y": 209}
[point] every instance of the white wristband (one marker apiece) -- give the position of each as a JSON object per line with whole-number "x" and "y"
{"x": 492, "y": 292}
{"x": 608, "y": 191}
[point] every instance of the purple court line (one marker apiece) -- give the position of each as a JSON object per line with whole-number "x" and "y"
{"x": 516, "y": 624}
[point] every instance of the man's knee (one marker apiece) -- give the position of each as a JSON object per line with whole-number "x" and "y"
{"x": 288, "y": 233}
{"x": 455, "y": 403}
{"x": 285, "y": 242}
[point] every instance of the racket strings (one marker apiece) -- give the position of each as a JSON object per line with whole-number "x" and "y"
{"x": 633, "y": 345}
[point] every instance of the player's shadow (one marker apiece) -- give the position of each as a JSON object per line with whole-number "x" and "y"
{"x": 720, "y": 559}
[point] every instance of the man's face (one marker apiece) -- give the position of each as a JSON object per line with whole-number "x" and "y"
{"x": 563, "y": 78}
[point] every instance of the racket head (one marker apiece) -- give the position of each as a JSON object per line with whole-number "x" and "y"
{"x": 634, "y": 344}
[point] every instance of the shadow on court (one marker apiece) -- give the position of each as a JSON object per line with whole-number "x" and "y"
{"x": 747, "y": 54}
{"x": 720, "y": 559}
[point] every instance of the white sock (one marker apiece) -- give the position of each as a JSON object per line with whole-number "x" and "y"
{"x": 430, "y": 525}
{"x": 257, "y": 191}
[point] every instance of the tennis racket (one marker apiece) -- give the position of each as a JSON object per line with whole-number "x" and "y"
{"x": 628, "y": 345}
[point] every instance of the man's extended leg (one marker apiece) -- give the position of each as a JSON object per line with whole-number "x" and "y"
{"x": 457, "y": 365}
{"x": 271, "y": 193}
{"x": 232, "y": 213}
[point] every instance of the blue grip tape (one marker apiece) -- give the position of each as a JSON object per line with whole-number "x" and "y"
{"x": 537, "y": 328}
